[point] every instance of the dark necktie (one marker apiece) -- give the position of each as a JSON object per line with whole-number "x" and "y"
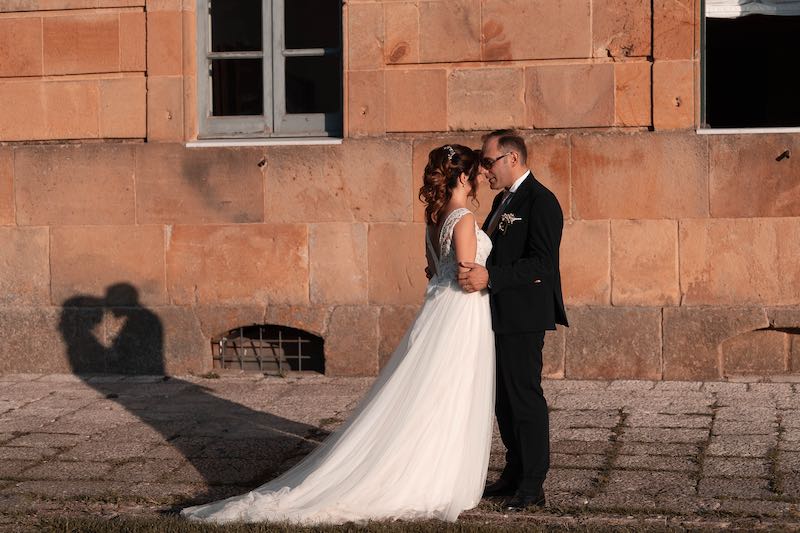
{"x": 495, "y": 220}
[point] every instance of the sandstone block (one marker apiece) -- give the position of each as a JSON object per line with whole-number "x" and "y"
{"x": 21, "y": 46}
{"x": 739, "y": 261}
{"x": 26, "y": 119}
{"x": 632, "y": 85}
{"x": 27, "y": 331}
{"x": 417, "y": 100}
{"x": 397, "y": 263}
{"x": 24, "y": 266}
{"x": 351, "y": 344}
{"x": 401, "y": 30}
{"x": 123, "y": 112}
{"x": 230, "y": 264}
{"x": 190, "y": 129}
{"x": 311, "y": 319}
{"x": 360, "y": 180}
{"x": 81, "y": 44}
{"x": 585, "y": 262}
{"x": 393, "y": 323}
{"x": 673, "y": 94}
{"x": 621, "y": 29}
{"x": 89, "y": 259}
{"x": 7, "y": 209}
{"x": 164, "y": 43}
{"x": 186, "y": 348}
{"x": 747, "y": 180}
{"x": 692, "y": 336}
{"x": 485, "y": 99}
{"x": 553, "y": 354}
{"x": 132, "y": 42}
{"x": 366, "y": 103}
{"x": 176, "y": 185}
{"x": 338, "y": 263}
{"x": 189, "y": 41}
{"x": 613, "y": 343}
{"x": 365, "y": 36}
{"x": 755, "y": 352}
{"x": 450, "y": 31}
{"x": 74, "y": 184}
{"x": 215, "y": 320}
{"x": 164, "y": 108}
{"x": 644, "y": 262}
{"x": 519, "y": 29}
{"x": 72, "y": 109}
{"x": 639, "y": 176}
{"x": 674, "y": 29}
{"x": 553, "y": 102}
{"x": 784, "y": 317}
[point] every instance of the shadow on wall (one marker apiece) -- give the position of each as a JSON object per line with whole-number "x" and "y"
{"x": 222, "y": 444}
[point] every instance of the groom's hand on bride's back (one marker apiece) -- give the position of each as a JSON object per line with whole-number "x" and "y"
{"x": 472, "y": 276}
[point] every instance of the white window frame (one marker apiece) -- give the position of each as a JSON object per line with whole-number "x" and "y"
{"x": 275, "y": 122}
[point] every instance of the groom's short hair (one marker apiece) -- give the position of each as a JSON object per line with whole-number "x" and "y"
{"x": 509, "y": 140}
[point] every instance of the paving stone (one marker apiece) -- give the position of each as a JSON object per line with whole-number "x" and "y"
{"x": 664, "y": 435}
{"x": 11, "y": 469}
{"x": 583, "y": 434}
{"x": 788, "y": 462}
{"x": 631, "y": 385}
{"x": 570, "y": 480}
{"x": 678, "y": 385}
{"x": 66, "y": 470}
{"x": 639, "y": 419}
{"x": 739, "y": 466}
{"x": 759, "y": 508}
{"x": 95, "y": 450}
{"x": 588, "y": 460}
{"x": 790, "y": 485}
{"x": 730, "y": 446}
{"x": 751, "y": 427}
{"x": 650, "y": 483}
{"x": 579, "y": 447}
{"x": 223, "y": 471}
{"x": 674, "y": 449}
{"x": 16, "y": 453}
{"x": 583, "y": 419}
{"x": 723, "y": 386}
{"x": 655, "y": 462}
{"x": 749, "y": 488}
{"x": 46, "y": 440}
{"x": 138, "y": 471}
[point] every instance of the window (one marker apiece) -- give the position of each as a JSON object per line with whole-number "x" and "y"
{"x": 750, "y": 63}
{"x": 269, "y": 68}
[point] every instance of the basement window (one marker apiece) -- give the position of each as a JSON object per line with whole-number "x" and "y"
{"x": 268, "y": 349}
{"x": 750, "y": 64}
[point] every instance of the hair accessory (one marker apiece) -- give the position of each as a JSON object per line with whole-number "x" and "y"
{"x": 450, "y": 152}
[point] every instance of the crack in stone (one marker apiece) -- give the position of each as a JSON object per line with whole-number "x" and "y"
{"x": 599, "y": 484}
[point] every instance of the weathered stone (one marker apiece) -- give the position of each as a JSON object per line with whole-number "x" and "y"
{"x": 450, "y": 31}
{"x": 31, "y": 330}
{"x": 338, "y": 263}
{"x": 570, "y": 480}
{"x": 632, "y": 85}
{"x": 734, "y": 487}
{"x": 311, "y": 319}
{"x": 552, "y": 101}
{"x": 366, "y": 108}
{"x": 608, "y": 182}
{"x": 588, "y": 460}
{"x": 674, "y": 29}
{"x": 649, "y": 419}
{"x": 7, "y": 209}
{"x": 418, "y": 100}
{"x": 621, "y": 29}
{"x": 256, "y": 263}
{"x": 164, "y": 43}
{"x": 673, "y": 435}
{"x": 216, "y": 320}
{"x": 614, "y": 342}
{"x": 644, "y": 262}
{"x": 365, "y": 36}
{"x": 518, "y": 29}
{"x": 393, "y": 323}
{"x": 175, "y": 185}
{"x": 739, "y": 466}
{"x": 79, "y": 44}
{"x": 165, "y": 108}
{"x": 351, "y": 347}
{"x": 401, "y": 30}
{"x": 396, "y": 263}
{"x": 755, "y": 352}
{"x": 186, "y": 348}
{"x": 553, "y": 354}
{"x": 739, "y": 261}
{"x": 485, "y": 99}
{"x": 132, "y": 41}
{"x": 26, "y": 119}
{"x": 361, "y": 180}
{"x": 24, "y": 266}
{"x": 585, "y": 265}
{"x": 673, "y": 94}
{"x": 84, "y": 184}
{"x": 655, "y": 462}
{"x": 747, "y": 180}
{"x": 72, "y": 109}
{"x": 123, "y": 112}
{"x": 66, "y": 470}
{"x": 741, "y": 446}
{"x": 88, "y": 260}
{"x": 650, "y": 483}
{"x": 21, "y": 46}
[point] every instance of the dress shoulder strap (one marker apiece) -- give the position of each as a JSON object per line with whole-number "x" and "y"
{"x": 450, "y": 222}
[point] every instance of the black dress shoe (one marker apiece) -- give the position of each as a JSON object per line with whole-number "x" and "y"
{"x": 522, "y": 501}
{"x": 501, "y": 487}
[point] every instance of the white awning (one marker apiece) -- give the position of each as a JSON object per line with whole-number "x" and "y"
{"x": 741, "y": 8}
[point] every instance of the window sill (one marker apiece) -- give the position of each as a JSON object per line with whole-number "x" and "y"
{"x": 742, "y": 131}
{"x": 285, "y": 141}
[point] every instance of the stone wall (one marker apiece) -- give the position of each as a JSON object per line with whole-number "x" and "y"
{"x": 680, "y": 250}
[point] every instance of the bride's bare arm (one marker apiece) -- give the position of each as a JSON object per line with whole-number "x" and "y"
{"x": 465, "y": 240}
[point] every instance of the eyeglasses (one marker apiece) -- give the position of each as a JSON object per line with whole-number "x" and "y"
{"x": 488, "y": 162}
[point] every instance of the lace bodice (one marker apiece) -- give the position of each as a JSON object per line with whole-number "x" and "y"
{"x": 445, "y": 258}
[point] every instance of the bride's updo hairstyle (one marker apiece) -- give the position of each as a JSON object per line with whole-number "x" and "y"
{"x": 445, "y": 165}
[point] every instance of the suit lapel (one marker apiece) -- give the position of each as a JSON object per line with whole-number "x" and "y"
{"x": 495, "y": 204}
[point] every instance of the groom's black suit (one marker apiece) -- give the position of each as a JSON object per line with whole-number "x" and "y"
{"x": 526, "y": 300}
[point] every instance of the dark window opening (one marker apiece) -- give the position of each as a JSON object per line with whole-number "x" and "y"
{"x": 751, "y": 67}
{"x": 268, "y": 349}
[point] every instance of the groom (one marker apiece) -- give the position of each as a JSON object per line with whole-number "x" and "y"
{"x": 524, "y": 283}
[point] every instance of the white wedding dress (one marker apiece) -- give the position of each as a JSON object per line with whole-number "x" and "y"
{"x": 417, "y": 446}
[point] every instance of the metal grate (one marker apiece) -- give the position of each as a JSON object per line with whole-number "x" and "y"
{"x": 268, "y": 349}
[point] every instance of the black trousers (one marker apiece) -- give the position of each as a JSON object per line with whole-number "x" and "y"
{"x": 521, "y": 409}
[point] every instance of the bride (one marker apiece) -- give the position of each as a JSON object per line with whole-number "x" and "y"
{"x": 417, "y": 446}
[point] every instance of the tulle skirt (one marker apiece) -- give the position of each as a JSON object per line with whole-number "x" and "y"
{"x": 417, "y": 446}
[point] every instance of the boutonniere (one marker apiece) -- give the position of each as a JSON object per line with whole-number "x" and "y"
{"x": 506, "y": 220}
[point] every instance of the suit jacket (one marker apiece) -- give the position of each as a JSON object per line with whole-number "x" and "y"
{"x": 524, "y": 275}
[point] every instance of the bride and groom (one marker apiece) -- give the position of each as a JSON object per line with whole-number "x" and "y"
{"x": 417, "y": 446}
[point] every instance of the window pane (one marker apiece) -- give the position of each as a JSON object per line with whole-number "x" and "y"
{"x": 236, "y": 26}
{"x": 313, "y": 84}
{"x": 237, "y": 87}
{"x": 318, "y": 30}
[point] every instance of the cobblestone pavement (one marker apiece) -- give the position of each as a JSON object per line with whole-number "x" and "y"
{"x": 711, "y": 454}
